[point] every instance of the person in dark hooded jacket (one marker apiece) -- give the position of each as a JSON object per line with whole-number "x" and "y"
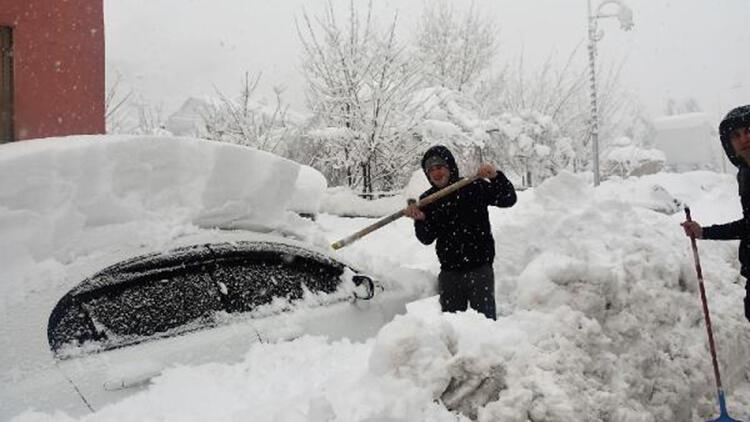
{"x": 734, "y": 132}
{"x": 460, "y": 223}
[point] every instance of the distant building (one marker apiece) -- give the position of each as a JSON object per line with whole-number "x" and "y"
{"x": 51, "y": 68}
{"x": 189, "y": 120}
{"x": 690, "y": 141}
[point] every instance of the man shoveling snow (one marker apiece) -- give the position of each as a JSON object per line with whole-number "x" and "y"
{"x": 734, "y": 132}
{"x": 460, "y": 224}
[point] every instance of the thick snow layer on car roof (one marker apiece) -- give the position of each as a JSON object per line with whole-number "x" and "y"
{"x": 309, "y": 191}
{"x": 59, "y": 195}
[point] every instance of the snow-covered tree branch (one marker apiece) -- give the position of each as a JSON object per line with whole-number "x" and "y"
{"x": 454, "y": 49}
{"x": 246, "y": 121}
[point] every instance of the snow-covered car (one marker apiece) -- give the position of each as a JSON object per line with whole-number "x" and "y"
{"x": 125, "y": 255}
{"x": 208, "y": 302}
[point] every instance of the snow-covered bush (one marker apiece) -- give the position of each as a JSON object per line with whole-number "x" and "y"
{"x": 624, "y": 159}
{"x": 530, "y": 145}
{"x": 450, "y": 118}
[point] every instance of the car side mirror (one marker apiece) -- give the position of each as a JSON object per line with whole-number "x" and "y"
{"x": 365, "y": 287}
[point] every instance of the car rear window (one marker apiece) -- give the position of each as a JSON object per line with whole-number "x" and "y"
{"x": 148, "y": 308}
{"x": 253, "y": 280}
{"x": 190, "y": 288}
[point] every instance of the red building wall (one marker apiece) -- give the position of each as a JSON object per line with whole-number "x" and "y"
{"x": 58, "y": 66}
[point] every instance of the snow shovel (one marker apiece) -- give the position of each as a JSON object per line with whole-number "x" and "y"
{"x": 724, "y": 416}
{"x": 396, "y": 215}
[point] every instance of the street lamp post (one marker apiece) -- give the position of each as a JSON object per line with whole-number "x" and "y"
{"x": 625, "y": 15}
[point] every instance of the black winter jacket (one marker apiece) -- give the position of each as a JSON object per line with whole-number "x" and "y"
{"x": 740, "y": 229}
{"x": 460, "y": 221}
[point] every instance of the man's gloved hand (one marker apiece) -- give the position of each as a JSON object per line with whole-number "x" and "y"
{"x": 412, "y": 211}
{"x": 692, "y": 228}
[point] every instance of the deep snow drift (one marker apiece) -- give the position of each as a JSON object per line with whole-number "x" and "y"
{"x": 599, "y": 318}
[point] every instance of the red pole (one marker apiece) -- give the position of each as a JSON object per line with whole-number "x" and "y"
{"x": 706, "y": 315}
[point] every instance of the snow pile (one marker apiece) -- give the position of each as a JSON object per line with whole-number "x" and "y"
{"x": 343, "y": 201}
{"x": 309, "y": 190}
{"x": 599, "y": 320}
{"x": 620, "y": 275}
{"x": 669, "y": 193}
{"x": 624, "y": 159}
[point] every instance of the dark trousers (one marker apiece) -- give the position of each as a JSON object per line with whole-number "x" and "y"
{"x": 459, "y": 288}
{"x": 747, "y": 299}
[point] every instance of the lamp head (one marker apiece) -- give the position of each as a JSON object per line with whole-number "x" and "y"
{"x": 624, "y": 13}
{"x": 625, "y": 16}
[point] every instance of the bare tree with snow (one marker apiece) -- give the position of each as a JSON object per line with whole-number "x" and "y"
{"x": 150, "y": 118}
{"x": 455, "y": 48}
{"x": 247, "y": 121}
{"x": 115, "y": 103}
{"x": 359, "y": 88}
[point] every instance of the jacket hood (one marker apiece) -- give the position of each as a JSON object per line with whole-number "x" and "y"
{"x": 738, "y": 117}
{"x": 446, "y": 155}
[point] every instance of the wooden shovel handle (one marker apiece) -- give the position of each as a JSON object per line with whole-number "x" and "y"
{"x": 396, "y": 215}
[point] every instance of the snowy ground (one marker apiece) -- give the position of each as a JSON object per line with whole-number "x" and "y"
{"x": 599, "y": 314}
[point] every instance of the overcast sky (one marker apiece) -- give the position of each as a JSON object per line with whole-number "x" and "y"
{"x": 167, "y": 50}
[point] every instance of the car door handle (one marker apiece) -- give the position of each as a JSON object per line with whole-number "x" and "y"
{"x": 129, "y": 381}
